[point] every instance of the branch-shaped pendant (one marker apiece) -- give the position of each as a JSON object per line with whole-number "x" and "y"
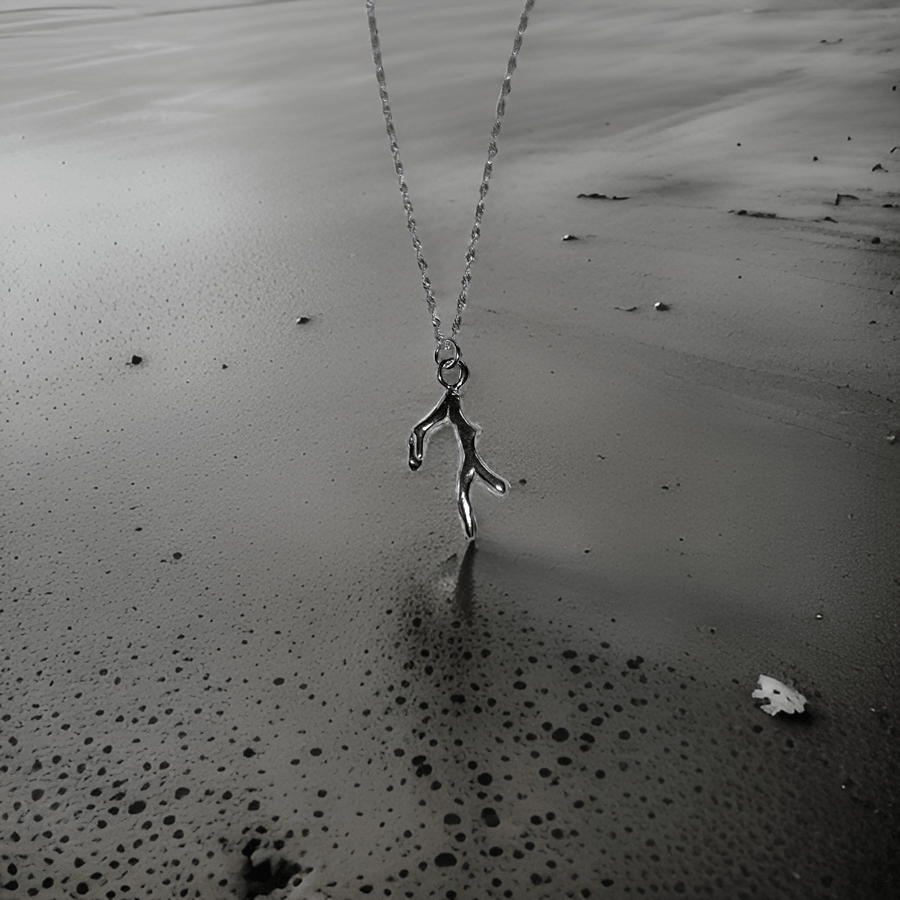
{"x": 470, "y": 464}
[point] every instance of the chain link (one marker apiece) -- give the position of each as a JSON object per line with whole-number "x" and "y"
{"x": 485, "y": 179}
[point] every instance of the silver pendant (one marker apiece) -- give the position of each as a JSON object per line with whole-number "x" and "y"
{"x": 450, "y": 411}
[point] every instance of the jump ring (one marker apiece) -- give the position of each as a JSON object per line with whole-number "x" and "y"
{"x": 447, "y": 344}
{"x": 463, "y": 374}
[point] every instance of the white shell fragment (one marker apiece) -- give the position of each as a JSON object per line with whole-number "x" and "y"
{"x": 780, "y": 697}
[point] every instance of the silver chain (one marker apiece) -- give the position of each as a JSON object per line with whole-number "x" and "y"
{"x": 485, "y": 179}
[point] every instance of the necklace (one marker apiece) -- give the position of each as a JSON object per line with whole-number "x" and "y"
{"x": 452, "y": 372}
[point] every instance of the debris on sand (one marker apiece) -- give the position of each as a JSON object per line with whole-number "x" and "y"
{"x": 595, "y": 196}
{"x": 878, "y": 167}
{"x": 625, "y": 308}
{"x": 660, "y": 306}
{"x": 837, "y": 200}
{"x": 754, "y": 215}
{"x": 136, "y": 360}
{"x": 571, "y": 237}
{"x": 779, "y": 697}
{"x": 266, "y": 872}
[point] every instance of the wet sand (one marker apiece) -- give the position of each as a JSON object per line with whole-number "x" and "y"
{"x": 247, "y": 652}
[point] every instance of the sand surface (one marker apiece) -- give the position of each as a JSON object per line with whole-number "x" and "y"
{"x": 245, "y": 650}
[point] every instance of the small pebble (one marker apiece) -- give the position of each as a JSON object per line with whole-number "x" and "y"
{"x": 136, "y": 360}
{"x": 659, "y": 305}
{"x": 303, "y": 320}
